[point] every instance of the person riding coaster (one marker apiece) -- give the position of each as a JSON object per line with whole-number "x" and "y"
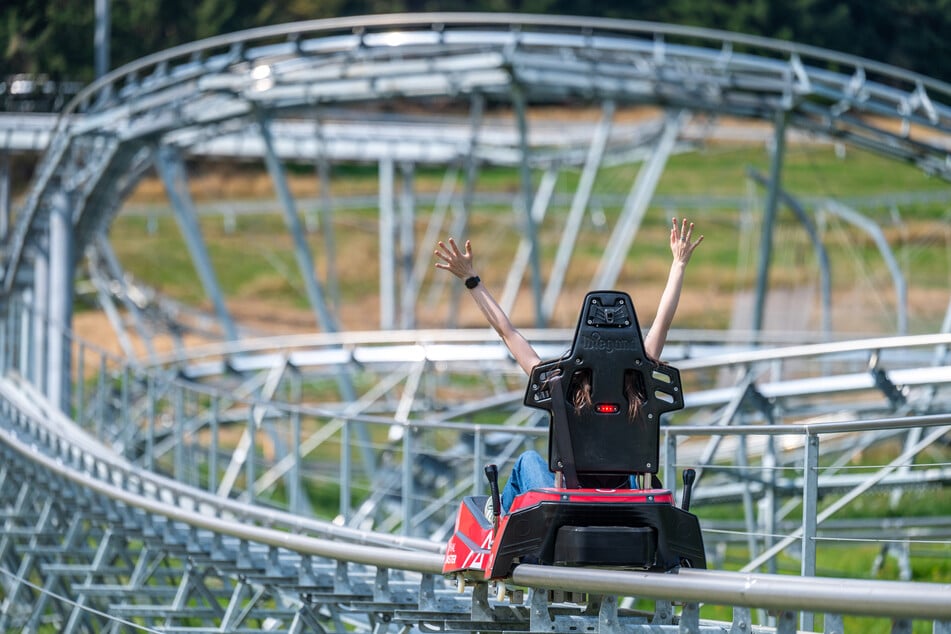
{"x": 605, "y": 398}
{"x": 604, "y": 442}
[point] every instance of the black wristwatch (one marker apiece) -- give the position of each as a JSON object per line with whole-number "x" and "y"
{"x": 472, "y": 282}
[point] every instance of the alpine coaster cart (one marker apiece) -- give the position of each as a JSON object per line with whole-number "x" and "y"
{"x": 592, "y": 516}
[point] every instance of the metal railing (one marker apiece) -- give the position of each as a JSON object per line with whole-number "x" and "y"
{"x": 263, "y": 420}
{"x": 168, "y": 516}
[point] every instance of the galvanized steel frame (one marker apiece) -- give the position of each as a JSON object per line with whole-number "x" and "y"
{"x": 177, "y": 100}
{"x": 125, "y": 543}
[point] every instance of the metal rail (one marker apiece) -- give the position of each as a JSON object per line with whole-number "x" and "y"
{"x": 156, "y": 418}
{"x": 314, "y": 582}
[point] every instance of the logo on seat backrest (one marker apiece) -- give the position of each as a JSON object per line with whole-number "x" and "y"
{"x": 597, "y": 341}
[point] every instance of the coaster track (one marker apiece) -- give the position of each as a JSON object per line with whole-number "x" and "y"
{"x": 95, "y": 540}
{"x": 92, "y": 542}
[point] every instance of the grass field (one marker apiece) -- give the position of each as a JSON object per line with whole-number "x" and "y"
{"x": 710, "y": 185}
{"x": 256, "y": 268}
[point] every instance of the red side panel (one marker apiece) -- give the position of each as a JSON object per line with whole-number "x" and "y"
{"x": 471, "y": 541}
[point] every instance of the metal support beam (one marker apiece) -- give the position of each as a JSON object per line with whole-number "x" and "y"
{"x": 941, "y": 352}
{"x": 387, "y": 246}
{"x": 579, "y": 204}
{"x": 305, "y": 261}
{"x": 26, "y": 349}
{"x": 408, "y": 507}
{"x": 325, "y": 216}
{"x": 810, "y": 502}
{"x": 407, "y": 233}
{"x": 297, "y": 495}
{"x": 5, "y": 210}
{"x": 40, "y": 315}
{"x": 769, "y": 462}
{"x": 635, "y": 206}
{"x": 529, "y": 229}
{"x": 670, "y": 460}
{"x": 6, "y": 336}
{"x": 747, "y": 496}
{"x": 769, "y": 219}
{"x": 62, "y": 276}
{"x": 168, "y": 162}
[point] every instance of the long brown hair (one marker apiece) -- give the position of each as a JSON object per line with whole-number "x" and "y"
{"x": 635, "y": 391}
{"x": 579, "y": 391}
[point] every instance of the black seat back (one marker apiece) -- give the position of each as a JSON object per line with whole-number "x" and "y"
{"x": 601, "y": 443}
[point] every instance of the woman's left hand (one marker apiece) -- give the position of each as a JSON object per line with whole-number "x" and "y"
{"x": 457, "y": 262}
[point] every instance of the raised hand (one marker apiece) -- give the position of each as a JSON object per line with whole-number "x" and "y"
{"x": 457, "y": 262}
{"x": 680, "y": 240}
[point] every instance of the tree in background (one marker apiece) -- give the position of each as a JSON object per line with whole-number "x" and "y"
{"x": 56, "y": 38}
{"x": 37, "y": 36}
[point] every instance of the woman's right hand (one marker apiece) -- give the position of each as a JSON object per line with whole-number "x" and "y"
{"x": 681, "y": 244}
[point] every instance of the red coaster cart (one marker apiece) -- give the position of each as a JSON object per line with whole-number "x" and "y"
{"x": 592, "y": 517}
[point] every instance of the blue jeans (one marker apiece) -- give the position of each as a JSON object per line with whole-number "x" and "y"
{"x": 531, "y": 472}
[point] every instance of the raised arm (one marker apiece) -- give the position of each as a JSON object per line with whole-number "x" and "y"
{"x": 682, "y": 248}
{"x": 460, "y": 264}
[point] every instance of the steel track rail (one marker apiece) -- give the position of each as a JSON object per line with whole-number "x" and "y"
{"x": 228, "y": 549}
{"x": 225, "y": 375}
{"x": 99, "y": 458}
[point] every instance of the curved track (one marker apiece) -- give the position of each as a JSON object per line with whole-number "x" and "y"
{"x": 95, "y": 540}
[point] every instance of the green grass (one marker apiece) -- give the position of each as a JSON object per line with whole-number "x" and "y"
{"x": 257, "y": 262}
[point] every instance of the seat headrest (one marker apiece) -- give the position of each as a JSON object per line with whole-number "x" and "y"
{"x": 608, "y": 356}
